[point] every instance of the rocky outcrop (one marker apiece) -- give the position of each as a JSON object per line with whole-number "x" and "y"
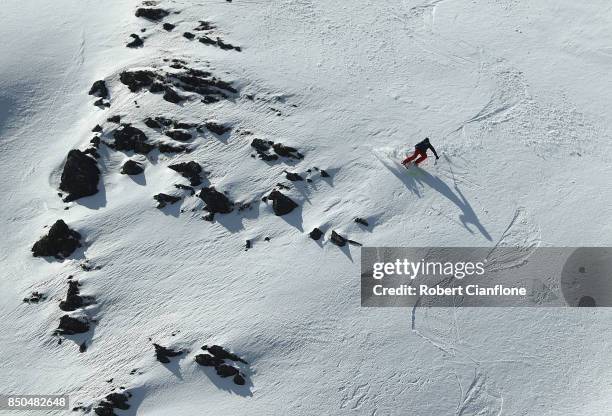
{"x": 60, "y": 242}
{"x": 99, "y": 89}
{"x": 70, "y": 326}
{"x": 281, "y": 204}
{"x": 136, "y": 41}
{"x": 338, "y": 240}
{"x": 130, "y": 138}
{"x": 154, "y": 14}
{"x": 216, "y": 202}
{"x": 190, "y": 170}
{"x": 164, "y": 354}
{"x": 113, "y": 401}
{"x": 165, "y": 199}
{"x": 217, "y": 128}
{"x": 131, "y": 167}
{"x": 316, "y": 234}
{"x": 217, "y": 359}
{"x": 80, "y": 176}
{"x": 73, "y": 299}
{"x": 178, "y": 135}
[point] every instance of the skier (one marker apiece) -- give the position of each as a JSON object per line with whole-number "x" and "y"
{"x": 420, "y": 152}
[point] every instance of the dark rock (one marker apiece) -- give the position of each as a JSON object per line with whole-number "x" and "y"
{"x": 70, "y": 326}
{"x": 92, "y": 151}
{"x": 225, "y": 370}
{"x": 172, "y": 96}
{"x": 83, "y": 347}
{"x": 217, "y": 128}
{"x": 136, "y": 41}
{"x": 73, "y": 300}
{"x": 204, "y": 26}
{"x": 60, "y": 242}
{"x": 152, "y": 123}
{"x": 169, "y": 26}
{"x": 361, "y": 221}
{"x": 247, "y": 245}
{"x": 188, "y": 35}
{"x": 165, "y": 199}
{"x": 324, "y": 174}
{"x": 179, "y": 135}
{"x": 136, "y": 80}
{"x": 169, "y": 148}
{"x": 316, "y": 234}
{"x": 80, "y": 176}
{"x": 183, "y": 125}
{"x": 207, "y": 360}
{"x": 239, "y": 380}
{"x": 216, "y": 202}
{"x": 222, "y": 353}
{"x": 95, "y": 141}
{"x": 157, "y": 87}
{"x": 163, "y": 354}
{"x": 207, "y": 41}
{"x": 99, "y": 89}
{"x": 355, "y": 243}
{"x": 287, "y": 151}
{"x": 119, "y": 400}
{"x": 97, "y": 129}
{"x": 261, "y": 145}
{"x": 190, "y": 170}
{"x": 293, "y": 177}
{"x": 338, "y": 240}
{"x": 131, "y": 138}
{"x": 131, "y": 167}
{"x": 35, "y": 297}
{"x": 151, "y": 13}
{"x": 114, "y": 119}
{"x": 281, "y": 204}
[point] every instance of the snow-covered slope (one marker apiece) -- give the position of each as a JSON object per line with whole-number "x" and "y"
{"x": 514, "y": 95}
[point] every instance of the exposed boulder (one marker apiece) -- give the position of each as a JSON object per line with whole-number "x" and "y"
{"x": 316, "y": 234}
{"x": 154, "y": 14}
{"x": 169, "y": 148}
{"x": 60, "y": 242}
{"x": 190, "y": 170}
{"x": 136, "y": 80}
{"x": 178, "y": 135}
{"x": 70, "y": 326}
{"x": 217, "y": 360}
{"x": 361, "y": 221}
{"x": 35, "y": 297}
{"x": 338, "y": 240}
{"x": 208, "y": 360}
{"x": 293, "y": 177}
{"x": 73, "y": 300}
{"x": 131, "y": 167}
{"x": 261, "y": 145}
{"x": 225, "y": 370}
{"x": 222, "y": 353}
{"x": 168, "y": 26}
{"x": 217, "y": 128}
{"x": 287, "y": 151}
{"x": 281, "y": 204}
{"x": 97, "y": 129}
{"x": 172, "y": 96}
{"x": 188, "y": 35}
{"x": 114, "y": 119}
{"x": 165, "y": 199}
{"x": 136, "y": 41}
{"x": 113, "y": 401}
{"x": 324, "y": 173}
{"x": 80, "y": 176}
{"x": 131, "y": 138}
{"x": 163, "y": 354}
{"x": 99, "y": 89}
{"x": 216, "y": 202}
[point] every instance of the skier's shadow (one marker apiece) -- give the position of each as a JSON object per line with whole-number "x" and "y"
{"x": 420, "y": 177}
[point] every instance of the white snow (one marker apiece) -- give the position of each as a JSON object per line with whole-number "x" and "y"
{"x": 515, "y": 97}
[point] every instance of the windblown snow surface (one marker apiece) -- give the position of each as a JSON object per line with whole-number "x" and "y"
{"x": 514, "y": 94}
